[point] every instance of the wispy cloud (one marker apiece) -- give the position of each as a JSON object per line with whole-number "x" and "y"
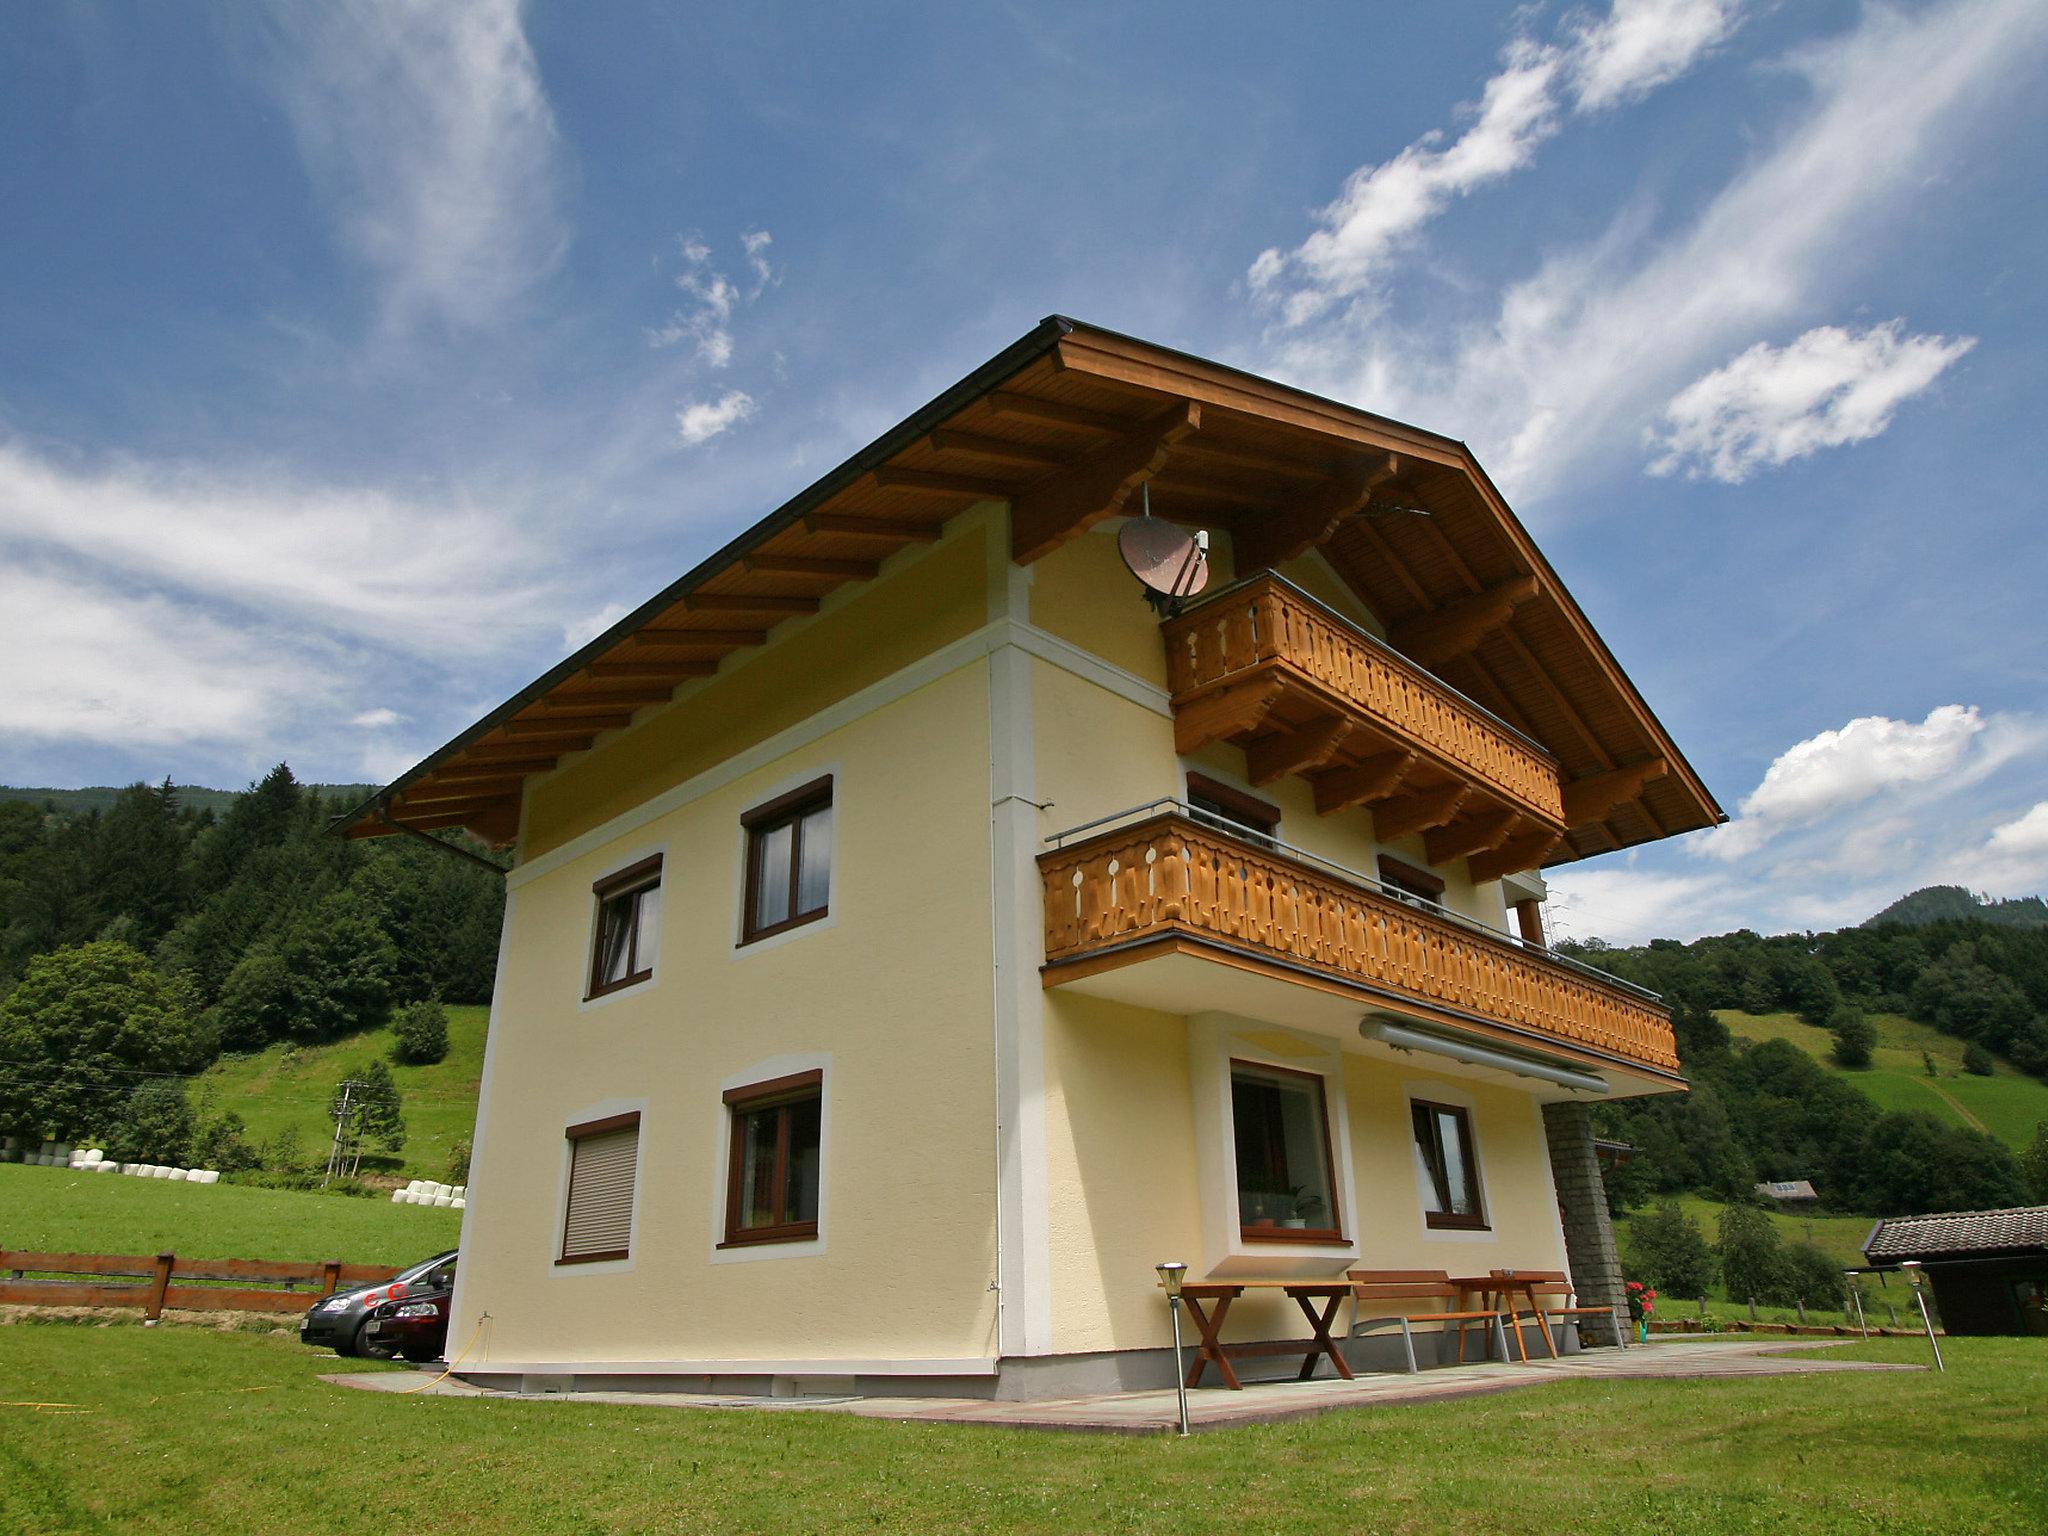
{"x": 704, "y": 420}
{"x": 377, "y": 719}
{"x": 1771, "y": 405}
{"x": 1569, "y": 363}
{"x": 1599, "y": 63}
{"x": 707, "y": 319}
{"x": 427, "y": 130}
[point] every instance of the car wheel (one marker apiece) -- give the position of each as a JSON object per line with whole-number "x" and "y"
{"x": 368, "y": 1348}
{"x": 421, "y": 1356}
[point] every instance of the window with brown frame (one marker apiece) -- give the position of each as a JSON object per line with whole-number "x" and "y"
{"x": 1405, "y": 879}
{"x": 773, "y": 1167}
{"x": 789, "y": 860}
{"x": 1286, "y": 1177}
{"x": 628, "y": 927}
{"x": 603, "y": 1157}
{"x": 1235, "y": 811}
{"x": 1443, "y": 1151}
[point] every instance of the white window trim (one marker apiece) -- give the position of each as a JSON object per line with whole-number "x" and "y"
{"x": 1437, "y": 1090}
{"x": 613, "y": 866}
{"x": 1217, "y": 1039}
{"x": 763, "y": 1072}
{"x": 603, "y": 1109}
{"x": 741, "y": 947}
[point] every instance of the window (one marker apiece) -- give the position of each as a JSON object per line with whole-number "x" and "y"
{"x": 1404, "y": 879}
{"x": 789, "y": 860}
{"x": 1286, "y": 1189}
{"x": 772, "y": 1170}
{"x": 1219, "y": 804}
{"x": 628, "y": 927}
{"x": 599, "y": 1221}
{"x": 1450, "y": 1177}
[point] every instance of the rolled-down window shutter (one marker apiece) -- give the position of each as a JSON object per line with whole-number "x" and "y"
{"x": 600, "y": 1219}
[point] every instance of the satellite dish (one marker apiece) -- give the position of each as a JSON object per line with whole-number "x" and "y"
{"x": 1171, "y": 563}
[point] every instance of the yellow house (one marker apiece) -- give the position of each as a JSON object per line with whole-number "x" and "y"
{"x": 913, "y": 939}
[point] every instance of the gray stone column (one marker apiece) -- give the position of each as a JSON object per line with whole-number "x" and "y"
{"x": 1588, "y": 1234}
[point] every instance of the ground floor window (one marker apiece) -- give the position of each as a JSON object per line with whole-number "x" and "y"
{"x": 773, "y": 1168}
{"x": 1286, "y": 1184}
{"x": 1450, "y": 1176}
{"x": 603, "y": 1158}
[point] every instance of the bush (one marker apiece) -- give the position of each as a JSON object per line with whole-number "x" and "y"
{"x": 458, "y": 1162}
{"x": 1977, "y": 1061}
{"x": 282, "y": 1153}
{"x": 1855, "y": 1037}
{"x": 422, "y": 1033}
{"x": 1809, "y": 1275}
{"x": 222, "y": 1143}
{"x": 1667, "y": 1248}
{"x": 1752, "y": 1254}
{"x": 2033, "y": 1163}
{"x": 155, "y": 1126}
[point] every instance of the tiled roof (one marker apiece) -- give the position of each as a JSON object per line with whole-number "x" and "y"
{"x": 1906, "y": 1237}
{"x": 1788, "y": 1189}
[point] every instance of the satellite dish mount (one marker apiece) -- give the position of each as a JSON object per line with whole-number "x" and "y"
{"x": 1171, "y": 563}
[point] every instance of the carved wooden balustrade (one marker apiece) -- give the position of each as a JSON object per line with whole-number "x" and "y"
{"x": 1168, "y": 876}
{"x": 1264, "y": 659}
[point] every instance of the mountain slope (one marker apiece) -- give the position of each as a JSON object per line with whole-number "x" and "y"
{"x": 1950, "y": 903}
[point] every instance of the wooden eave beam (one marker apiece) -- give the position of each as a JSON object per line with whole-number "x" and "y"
{"x": 1458, "y": 627}
{"x": 1292, "y": 531}
{"x": 458, "y": 795}
{"x": 806, "y": 565}
{"x": 669, "y": 668}
{"x": 580, "y": 731}
{"x": 748, "y": 602}
{"x": 474, "y": 764}
{"x": 1338, "y": 789}
{"x": 1004, "y": 402}
{"x": 941, "y": 483}
{"x": 441, "y": 819}
{"x": 1229, "y": 712}
{"x": 1473, "y": 834}
{"x": 1420, "y": 811}
{"x": 1524, "y": 851}
{"x": 1595, "y": 798}
{"x": 720, "y": 638}
{"x": 1287, "y": 752}
{"x": 1002, "y": 449}
{"x": 604, "y": 702}
{"x": 891, "y": 530}
{"x": 1073, "y": 500}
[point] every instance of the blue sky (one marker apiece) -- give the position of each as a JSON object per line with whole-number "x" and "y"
{"x": 357, "y": 360}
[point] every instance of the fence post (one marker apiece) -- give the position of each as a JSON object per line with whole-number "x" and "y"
{"x": 1752, "y": 1309}
{"x": 160, "y": 1281}
{"x": 330, "y": 1276}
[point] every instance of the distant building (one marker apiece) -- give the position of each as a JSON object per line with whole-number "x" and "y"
{"x": 1790, "y": 1194}
{"x": 1989, "y": 1268}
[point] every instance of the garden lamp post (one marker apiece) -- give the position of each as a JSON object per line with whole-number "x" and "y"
{"x": 1170, "y": 1277}
{"x": 1912, "y": 1269}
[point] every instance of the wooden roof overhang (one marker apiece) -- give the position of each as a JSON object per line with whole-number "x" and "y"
{"x": 1065, "y": 425}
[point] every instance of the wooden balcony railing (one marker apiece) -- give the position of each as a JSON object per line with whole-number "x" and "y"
{"x": 1265, "y": 657}
{"x": 1167, "y": 876}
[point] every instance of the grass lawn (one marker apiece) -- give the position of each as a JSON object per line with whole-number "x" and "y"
{"x": 180, "y": 1429}
{"x": 290, "y": 1085}
{"x": 56, "y": 1210}
{"x": 2007, "y": 1105}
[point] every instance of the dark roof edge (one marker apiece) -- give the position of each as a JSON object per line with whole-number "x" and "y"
{"x": 1035, "y": 343}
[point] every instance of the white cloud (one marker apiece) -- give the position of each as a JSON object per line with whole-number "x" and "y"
{"x": 1570, "y": 362}
{"x": 1770, "y": 405}
{"x": 577, "y": 633}
{"x": 1622, "y": 56}
{"x": 376, "y": 719}
{"x": 2026, "y": 838}
{"x": 428, "y": 129}
{"x": 756, "y": 243}
{"x": 705, "y": 419}
{"x": 2011, "y": 861}
{"x": 708, "y": 320}
{"x": 1825, "y": 773}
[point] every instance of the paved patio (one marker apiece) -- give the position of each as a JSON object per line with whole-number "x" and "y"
{"x": 1216, "y": 1408}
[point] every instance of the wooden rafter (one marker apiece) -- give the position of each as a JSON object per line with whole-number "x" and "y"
{"x": 1298, "y": 527}
{"x": 1095, "y": 486}
{"x": 1472, "y": 834}
{"x": 672, "y": 668}
{"x": 1592, "y": 799}
{"x": 721, "y": 638}
{"x": 1003, "y": 402}
{"x": 807, "y": 565}
{"x": 1003, "y": 449}
{"x": 1420, "y": 811}
{"x": 941, "y": 483}
{"x": 557, "y": 730}
{"x": 1338, "y": 789}
{"x": 1228, "y": 712}
{"x": 893, "y": 530}
{"x": 1457, "y": 628}
{"x": 1526, "y": 850}
{"x": 1298, "y": 751}
{"x": 748, "y": 602}
{"x": 606, "y": 700}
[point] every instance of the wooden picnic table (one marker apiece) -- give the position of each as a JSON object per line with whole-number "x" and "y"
{"x": 1209, "y": 1324}
{"x": 1499, "y": 1292}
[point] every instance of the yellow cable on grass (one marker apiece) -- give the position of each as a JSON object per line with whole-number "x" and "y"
{"x": 474, "y": 1336}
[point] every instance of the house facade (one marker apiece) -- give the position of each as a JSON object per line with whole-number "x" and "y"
{"x": 914, "y": 938}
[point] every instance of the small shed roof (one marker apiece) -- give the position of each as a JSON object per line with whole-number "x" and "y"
{"x": 1960, "y": 1232}
{"x": 1789, "y": 1189}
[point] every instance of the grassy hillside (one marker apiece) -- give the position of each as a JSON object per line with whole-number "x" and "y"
{"x": 1840, "y": 1237}
{"x": 54, "y": 1210}
{"x": 290, "y": 1085}
{"x": 2008, "y": 1104}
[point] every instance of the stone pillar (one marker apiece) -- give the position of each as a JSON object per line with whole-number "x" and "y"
{"x": 1588, "y": 1233}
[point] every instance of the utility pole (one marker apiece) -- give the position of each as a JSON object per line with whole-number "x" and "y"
{"x": 342, "y": 1112}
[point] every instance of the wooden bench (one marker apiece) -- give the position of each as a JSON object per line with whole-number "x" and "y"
{"x": 1541, "y": 1287}
{"x": 1378, "y": 1287}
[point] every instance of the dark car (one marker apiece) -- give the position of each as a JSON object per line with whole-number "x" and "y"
{"x": 415, "y": 1326}
{"x": 341, "y": 1322}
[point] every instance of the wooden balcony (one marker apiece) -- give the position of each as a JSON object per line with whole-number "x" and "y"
{"x": 1303, "y": 690}
{"x": 1167, "y": 883}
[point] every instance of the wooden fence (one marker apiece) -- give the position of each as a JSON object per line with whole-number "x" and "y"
{"x": 153, "y": 1282}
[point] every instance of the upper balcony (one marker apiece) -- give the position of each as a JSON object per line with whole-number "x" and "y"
{"x": 1304, "y": 690}
{"x": 1158, "y": 908}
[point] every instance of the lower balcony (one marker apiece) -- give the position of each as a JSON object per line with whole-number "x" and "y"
{"x": 1161, "y": 909}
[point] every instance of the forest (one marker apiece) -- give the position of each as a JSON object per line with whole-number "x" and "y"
{"x": 141, "y": 939}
